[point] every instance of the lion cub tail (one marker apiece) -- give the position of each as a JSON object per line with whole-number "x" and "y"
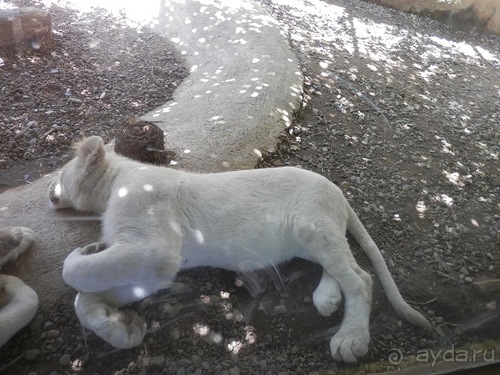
{"x": 356, "y": 228}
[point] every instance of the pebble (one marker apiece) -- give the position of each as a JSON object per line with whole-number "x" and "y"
{"x": 53, "y": 333}
{"x": 263, "y": 364}
{"x": 157, "y": 360}
{"x": 280, "y": 309}
{"x": 65, "y": 360}
{"x": 32, "y": 355}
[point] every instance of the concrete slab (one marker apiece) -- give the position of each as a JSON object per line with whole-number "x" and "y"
{"x": 243, "y": 89}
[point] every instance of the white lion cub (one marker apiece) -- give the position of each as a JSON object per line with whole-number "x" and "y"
{"x": 156, "y": 220}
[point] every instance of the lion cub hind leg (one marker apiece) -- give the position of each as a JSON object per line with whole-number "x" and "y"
{"x": 326, "y": 243}
{"x": 327, "y": 296}
{"x": 123, "y": 329}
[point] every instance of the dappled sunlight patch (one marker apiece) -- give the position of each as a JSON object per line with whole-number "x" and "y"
{"x": 122, "y": 192}
{"x": 455, "y": 178}
{"x": 257, "y": 152}
{"x": 57, "y": 190}
{"x": 201, "y": 329}
{"x": 139, "y": 292}
{"x": 445, "y": 199}
{"x": 446, "y": 146}
{"x": 421, "y": 208}
{"x": 198, "y": 235}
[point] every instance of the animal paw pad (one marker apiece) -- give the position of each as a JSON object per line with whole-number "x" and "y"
{"x": 349, "y": 346}
{"x": 93, "y": 248}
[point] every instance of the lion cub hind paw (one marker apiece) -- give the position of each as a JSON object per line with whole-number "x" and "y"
{"x": 124, "y": 329}
{"x": 349, "y": 346}
{"x": 327, "y": 303}
{"x": 93, "y": 248}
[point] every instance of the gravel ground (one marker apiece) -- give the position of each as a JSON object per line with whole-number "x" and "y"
{"x": 402, "y": 113}
{"x": 94, "y": 77}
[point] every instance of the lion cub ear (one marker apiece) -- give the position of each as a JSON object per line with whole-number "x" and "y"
{"x": 91, "y": 152}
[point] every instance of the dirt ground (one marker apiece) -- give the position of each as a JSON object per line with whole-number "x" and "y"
{"x": 402, "y": 113}
{"x": 80, "y": 87}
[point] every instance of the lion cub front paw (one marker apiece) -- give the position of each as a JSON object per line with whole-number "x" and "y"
{"x": 126, "y": 330}
{"x": 121, "y": 328}
{"x": 350, "y": 344}
{"x": 93, "y": 248}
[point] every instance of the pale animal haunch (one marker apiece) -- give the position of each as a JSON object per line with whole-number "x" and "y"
{"x": 156, "y": 220}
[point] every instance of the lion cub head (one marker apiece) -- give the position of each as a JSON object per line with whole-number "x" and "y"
{"x": 76, "y": 184}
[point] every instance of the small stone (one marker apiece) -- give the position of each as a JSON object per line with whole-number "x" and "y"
{"x": 65, "y": 360}
{"x": 32, "y": 355}
{"x": 53, "y": 333}
{"x": 157, "y": 360}
{"x": 36, "y": 322}
{"x": 280, "y": 309}
{"x": 175, "y": 310}
{"x": 186, "y": 361}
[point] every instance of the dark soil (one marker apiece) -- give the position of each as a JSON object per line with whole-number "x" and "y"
{"x": 91, "y": 79}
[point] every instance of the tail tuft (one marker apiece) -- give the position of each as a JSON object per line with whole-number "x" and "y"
{"x": 415, "y": 318}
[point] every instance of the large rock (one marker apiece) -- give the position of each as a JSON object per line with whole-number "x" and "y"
{"x": 472, "y": 15}
{"x": 22, "y": 24}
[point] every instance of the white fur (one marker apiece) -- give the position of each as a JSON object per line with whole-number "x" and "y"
{"x": 18, "y": 302}
{"x": 158, "y": 220}
{"x": 21, "y": 304}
